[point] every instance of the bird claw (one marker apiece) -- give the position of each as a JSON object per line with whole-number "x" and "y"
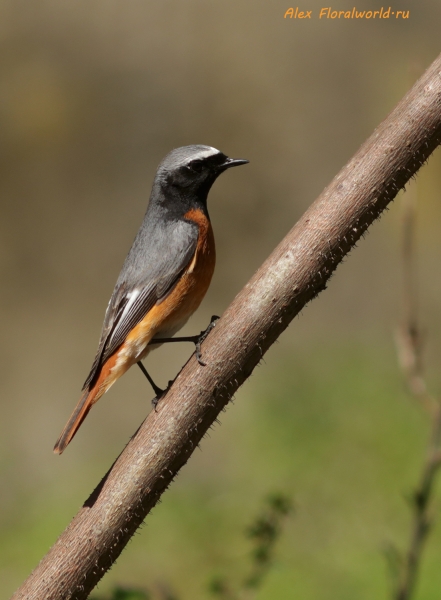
{"x": 202, "y": 336}
{"x": 160, "y": 393}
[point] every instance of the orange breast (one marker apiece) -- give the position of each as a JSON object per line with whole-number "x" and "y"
{"x": 187, "y": 294}
{"x": 170, "y": 314}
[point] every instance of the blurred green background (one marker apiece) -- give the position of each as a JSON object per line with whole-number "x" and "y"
{"x": 93, "y": 94}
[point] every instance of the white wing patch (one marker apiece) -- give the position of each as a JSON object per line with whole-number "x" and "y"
{"x": 131, "y": 299}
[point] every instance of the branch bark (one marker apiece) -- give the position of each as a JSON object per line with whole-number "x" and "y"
{"x": 294, "y": 274}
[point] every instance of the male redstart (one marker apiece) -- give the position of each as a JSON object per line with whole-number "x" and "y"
{"x": 164, "y": 277}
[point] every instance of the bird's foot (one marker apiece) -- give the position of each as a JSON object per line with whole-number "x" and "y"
{"x": 159, "y": 393}
{"x": 202, "y": 336}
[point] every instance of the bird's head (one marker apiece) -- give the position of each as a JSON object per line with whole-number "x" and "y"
{"x": 194, "y": 169}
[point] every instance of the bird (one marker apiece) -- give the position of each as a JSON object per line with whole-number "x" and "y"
{"x": 164, "y": 277}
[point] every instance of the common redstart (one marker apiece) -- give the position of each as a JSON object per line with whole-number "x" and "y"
{"x": 164, "y": 277}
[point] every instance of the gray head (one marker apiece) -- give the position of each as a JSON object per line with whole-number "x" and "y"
{"x": 193, "y": 169}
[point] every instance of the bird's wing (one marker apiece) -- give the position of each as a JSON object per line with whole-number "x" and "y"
{"x": 153, "y": 266}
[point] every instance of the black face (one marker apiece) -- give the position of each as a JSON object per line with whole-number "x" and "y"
{"x": 194, "y": 168}
{"x": 186, "y": 175}
{"x": 199, "y": 174}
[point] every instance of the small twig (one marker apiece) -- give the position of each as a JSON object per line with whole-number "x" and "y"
{"x": 409, "y": 338}
{"x": 409, "y": 346}
{"x": 422, "y": 520}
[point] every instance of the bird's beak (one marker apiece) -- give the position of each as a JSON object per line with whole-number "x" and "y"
{"x": 233, "y": 162}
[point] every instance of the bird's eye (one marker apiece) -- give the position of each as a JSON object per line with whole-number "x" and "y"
{"x": 196, "y": 166}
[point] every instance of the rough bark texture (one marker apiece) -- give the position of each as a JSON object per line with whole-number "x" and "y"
{"x": 294, "y": 274}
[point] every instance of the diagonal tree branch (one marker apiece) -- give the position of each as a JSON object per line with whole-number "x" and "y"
{"x": 294, "y": 274}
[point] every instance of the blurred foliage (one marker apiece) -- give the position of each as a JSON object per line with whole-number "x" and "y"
{"x": 263, "y": 532}
{"x": 119, "y": 593}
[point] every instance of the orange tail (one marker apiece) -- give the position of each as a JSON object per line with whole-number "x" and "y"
{"x": 87, "y": 400}
{"x": 76, "y": 418}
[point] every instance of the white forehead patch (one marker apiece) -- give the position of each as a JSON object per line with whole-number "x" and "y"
{"x": 203, "y": 154}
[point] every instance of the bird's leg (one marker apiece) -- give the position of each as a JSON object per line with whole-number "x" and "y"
{"x": 158, "y": 391}
{"x": 201, "y": 337}
{"x": 195, "y": 339}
